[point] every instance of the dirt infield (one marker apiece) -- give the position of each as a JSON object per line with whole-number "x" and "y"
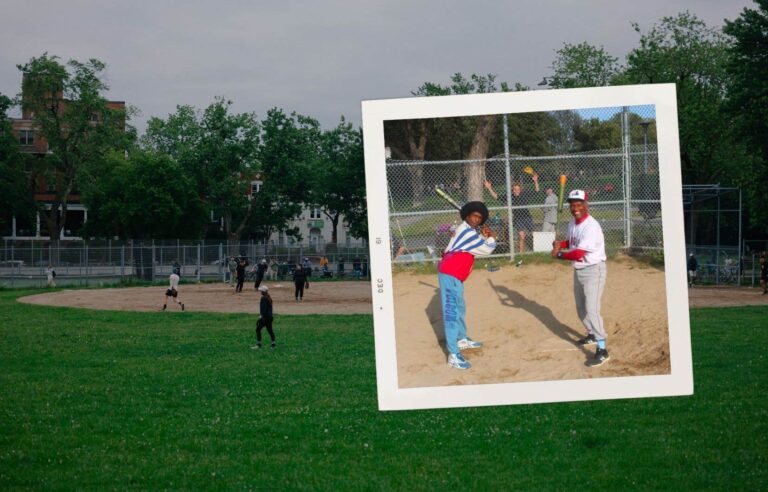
{"x": 321, "y": 298}
{"x": 726, "y": 296}
{"x": 526, "y": 317}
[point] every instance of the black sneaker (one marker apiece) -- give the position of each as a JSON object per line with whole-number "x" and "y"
{"x": 274, "y": 345}
{"x": 587, "y": 340}
{"x": 165, "y": 306}
{"x": 601, "y": 355}
{"x": 182, "y": 306}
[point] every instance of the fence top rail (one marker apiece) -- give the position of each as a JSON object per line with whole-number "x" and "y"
{"x": 504, "y": 208}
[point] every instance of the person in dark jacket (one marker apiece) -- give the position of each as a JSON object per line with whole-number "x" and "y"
{"x": 300, "y": 281}
{"x": 261, "y": 269}
{"x": 265, "y": 321}
{"x": 693, "y": 267}
{"x": 240, "y": 272}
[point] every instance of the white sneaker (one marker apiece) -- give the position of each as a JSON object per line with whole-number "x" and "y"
{"x": 468, "y": 343}
{"x": 256, "y": 347}
{"x": 457, "y": 361}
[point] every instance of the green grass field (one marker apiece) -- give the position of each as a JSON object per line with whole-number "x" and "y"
{"x": 113, "y": 400}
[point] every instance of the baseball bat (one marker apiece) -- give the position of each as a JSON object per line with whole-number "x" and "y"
{"x": 563, "y": 180}
{"x": 445, "y": 196}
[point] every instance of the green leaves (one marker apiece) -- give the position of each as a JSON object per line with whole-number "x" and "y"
{"x": 583, "y": 65}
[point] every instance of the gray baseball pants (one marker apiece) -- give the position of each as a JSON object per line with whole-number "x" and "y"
{"x": 588, "y": 286}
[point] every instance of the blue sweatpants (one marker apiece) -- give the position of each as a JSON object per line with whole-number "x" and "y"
{"x": 454, "y": 309}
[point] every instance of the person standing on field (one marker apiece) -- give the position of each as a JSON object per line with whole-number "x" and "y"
{"x": 586, "y": 251}
{"x": 300, "y": 281}
{"x": 50, "y": 275}
{"x": 261, "y": 269}
{"x": 173, "y": 292}
{"x": 764, "y": 272}
{"x": 454, "y": 268}
{"x": 240, "y": 272}
{"x": 693, "y": 267}
{"x": 265, "y": 320}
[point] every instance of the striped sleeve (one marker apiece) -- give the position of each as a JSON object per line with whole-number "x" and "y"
{"x": 468, "y": 240}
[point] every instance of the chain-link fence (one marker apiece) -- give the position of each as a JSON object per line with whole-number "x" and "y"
{"x": 521, "y": 191}
{"x": 713, "y": 234}
{"x": 24, "y": 263}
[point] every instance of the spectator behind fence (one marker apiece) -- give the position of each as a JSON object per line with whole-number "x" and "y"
{"x": 550, "y": 212}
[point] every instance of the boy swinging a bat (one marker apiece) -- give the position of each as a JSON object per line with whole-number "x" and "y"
{"x": 454, "y": 269}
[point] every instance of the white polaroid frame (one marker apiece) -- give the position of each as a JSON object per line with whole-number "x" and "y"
{"x": 680, "y": 379}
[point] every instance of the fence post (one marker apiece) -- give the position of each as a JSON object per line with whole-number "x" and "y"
{"x": 717, "y": 253}
{"x": 625, "y": 143}
{"x": 509, "y": 189}
{"x": 86, "y": 265}
{"x": 198, "y": 262}
{"x": 152, "y": 264}
{"x": 122, "y": 262}
{"x": 221, "y": 257}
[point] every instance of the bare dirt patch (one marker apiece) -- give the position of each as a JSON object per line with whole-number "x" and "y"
{"x": 321, "y": 298}
{"x": 526, "y": 317}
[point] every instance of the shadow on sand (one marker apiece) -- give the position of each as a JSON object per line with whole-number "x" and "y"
{"x": 514, "y": 299}
{"x": 435, "y": 315}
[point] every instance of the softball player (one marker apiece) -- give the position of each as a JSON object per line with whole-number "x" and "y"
{"x": 265, "y": 321}
{"x": 453, "y": 270}
{"x": 586, "y": 251}
{"x": 173, "y": 292}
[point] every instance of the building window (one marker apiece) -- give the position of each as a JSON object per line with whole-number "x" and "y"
{"x": 314, "y": 213}
{"x": 256, "y": 186}
{"x": 26, "y": 137}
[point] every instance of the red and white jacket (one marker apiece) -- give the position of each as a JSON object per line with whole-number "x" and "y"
{"x": 459, "y": 256}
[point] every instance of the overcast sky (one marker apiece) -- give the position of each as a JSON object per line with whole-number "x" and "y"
{"x": 317, "y": 58}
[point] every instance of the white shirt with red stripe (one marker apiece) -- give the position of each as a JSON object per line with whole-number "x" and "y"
{"x": 586, "y": 235}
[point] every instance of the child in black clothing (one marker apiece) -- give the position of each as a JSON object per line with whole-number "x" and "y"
{"x": 265, "y": 310}
{"x": 240, "y": 271}
{"x": 300, "y": 281}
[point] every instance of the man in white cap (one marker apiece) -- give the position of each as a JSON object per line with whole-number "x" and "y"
{"x": 585, "y": 249}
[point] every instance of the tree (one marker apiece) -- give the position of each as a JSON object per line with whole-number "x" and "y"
{"x": 684, "y": 51}
{"x": 15, "y": 185}
{"x": 747, "y": 103}
{"x": 583, "y": 65}
{"x": 290, "y": 150}
{"x": 71, "y": 114}
{"x": 339, "y": 184}
{"x": 482, "y": 126}
{"x": 218, "y": 150}
{"x": 146, "y": 196}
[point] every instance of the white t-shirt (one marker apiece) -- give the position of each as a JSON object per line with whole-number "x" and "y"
{"x": 587, "y": 236}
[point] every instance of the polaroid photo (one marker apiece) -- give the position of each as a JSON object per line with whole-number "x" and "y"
{"x": 527, "y": 247}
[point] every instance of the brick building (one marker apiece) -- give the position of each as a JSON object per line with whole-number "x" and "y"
{"x": 31, "y": 142}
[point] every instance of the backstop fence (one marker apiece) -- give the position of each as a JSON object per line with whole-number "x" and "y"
{"x": 24, "y": 263}
{"x": 622, "y": 183}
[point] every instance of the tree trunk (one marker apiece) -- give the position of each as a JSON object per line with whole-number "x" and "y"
{"x": 475, "y": 171}
{"x": 418, "y": 148}
{"x": 335, "y": 230}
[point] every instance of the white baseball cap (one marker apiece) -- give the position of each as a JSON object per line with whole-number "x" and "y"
{"x": 577, "y": 195}
{"x": 263, "y": 288}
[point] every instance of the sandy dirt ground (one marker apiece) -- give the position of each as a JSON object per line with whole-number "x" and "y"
{"x": 321, "y": 298}
{"x": 526, "y": 318}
